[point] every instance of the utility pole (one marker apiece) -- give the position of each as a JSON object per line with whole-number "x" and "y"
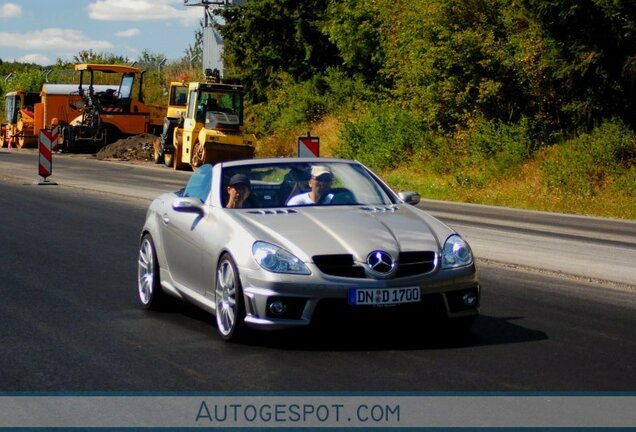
{"x": 212, "y": 41}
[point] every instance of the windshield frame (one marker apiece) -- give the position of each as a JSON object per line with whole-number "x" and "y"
{"x": 274, "y": 183}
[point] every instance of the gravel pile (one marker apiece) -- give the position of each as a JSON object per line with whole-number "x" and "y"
{"x": 137, "y": 147}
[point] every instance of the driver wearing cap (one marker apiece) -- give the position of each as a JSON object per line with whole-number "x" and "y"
{"x": 320, "y": 185}
{"x": 238, "y": 191}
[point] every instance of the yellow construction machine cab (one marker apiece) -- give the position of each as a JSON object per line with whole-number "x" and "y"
{"x": 178, "y": 99}
{"x": 17, "y": 126}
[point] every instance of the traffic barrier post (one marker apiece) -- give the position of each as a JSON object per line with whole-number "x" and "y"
{"x": 46, "y": 138}
{"x": 308, "y": 146}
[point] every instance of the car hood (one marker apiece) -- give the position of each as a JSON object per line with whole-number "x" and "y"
{"x": 309, "y": 231}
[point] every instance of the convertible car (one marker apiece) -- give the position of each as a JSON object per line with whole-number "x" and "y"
{"x": 312, "y": 238}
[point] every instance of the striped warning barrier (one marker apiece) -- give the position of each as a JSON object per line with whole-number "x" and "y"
{"x": 112, "y": 109}
{"x": 47, "y": 140}
{"x": 308, "y": 146}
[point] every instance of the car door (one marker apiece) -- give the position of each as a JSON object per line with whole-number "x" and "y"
{"x": 183, "y": 234}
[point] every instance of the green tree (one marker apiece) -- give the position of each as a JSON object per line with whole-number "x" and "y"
{"x": 354, "y": 26}
{"x": 194, "y": 52}
{"x": 90, "y": 56}
{"x": 30, "y": 80}
{"x": 263, "y": 38}
{"x": 149, "y": 60}
{"x": 451, "y": 59}
{"x": 592, "y": 51}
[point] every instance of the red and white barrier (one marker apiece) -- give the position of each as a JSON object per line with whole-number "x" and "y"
{"x": 47, "y": 141}
{"x": 308, "y": 146}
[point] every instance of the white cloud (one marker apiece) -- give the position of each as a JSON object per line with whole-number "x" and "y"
{"x": 128, "y": 33}
{"x": 35, "y": 58}
{"x": 143, "y": 10}
{"x": 53, "y": 39}
{"x": 9, "y": 10}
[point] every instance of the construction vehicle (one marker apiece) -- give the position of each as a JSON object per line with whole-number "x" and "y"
{"x": 35, "y": 111}
{"x": 17, "y": 129}
{"x": 106, "y": 116}
{"x": 212, "y": 128}
{"x": 177, "y": 103}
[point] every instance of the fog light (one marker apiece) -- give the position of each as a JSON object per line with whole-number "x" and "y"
{"x": 277, "y": 307}
{"x": 469, "y": 299}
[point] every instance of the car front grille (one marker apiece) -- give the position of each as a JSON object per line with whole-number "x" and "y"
{"x": 343, "y": 265}
{"x": 412, "y": 263}
{"x": 339, "y": 265}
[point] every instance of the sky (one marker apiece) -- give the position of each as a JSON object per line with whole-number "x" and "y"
{"x": 41, "y": 31}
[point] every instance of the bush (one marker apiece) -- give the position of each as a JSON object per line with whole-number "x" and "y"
{"x": 292, "y": 104}
{"x": 385, "y": 138}
{"x": 502, "y": 145}
{"x": 593, "y": 161}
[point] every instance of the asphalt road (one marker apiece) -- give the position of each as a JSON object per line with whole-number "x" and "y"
{"x": 69, "y": 320}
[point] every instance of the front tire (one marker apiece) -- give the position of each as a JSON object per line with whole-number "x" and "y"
{"x": 168, "y": 159}
{"x": 230, "y": 310}
{"x": 149, "y": 291}
{"x": 176, "y": 159}
{"x": 157, "y": 151}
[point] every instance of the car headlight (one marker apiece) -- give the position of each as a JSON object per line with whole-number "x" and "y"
{"x": 277, "y": 260}
{"x": 456, "y": 253}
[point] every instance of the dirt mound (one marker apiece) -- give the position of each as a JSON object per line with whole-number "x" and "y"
{"x": 137, "y": 147}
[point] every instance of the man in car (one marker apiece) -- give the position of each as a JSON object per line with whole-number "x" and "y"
{"x": 320, "y": 185}
{"x": 238, "y": 191}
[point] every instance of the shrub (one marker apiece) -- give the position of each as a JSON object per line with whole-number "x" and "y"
{"x": 502, "y": 145}
{"x": 291, "y": 104}
{"x": 593, "y": 160}
{"x": 385, "y": 138}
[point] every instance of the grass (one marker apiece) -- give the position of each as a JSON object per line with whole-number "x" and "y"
{"x": 522, "y": 188}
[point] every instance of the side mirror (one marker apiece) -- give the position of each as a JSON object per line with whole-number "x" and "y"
{"x": 409, "y": 197}
{"x": 187, "y": 205}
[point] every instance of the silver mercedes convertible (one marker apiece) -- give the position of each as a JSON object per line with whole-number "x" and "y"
{"x": 280, "y": 243}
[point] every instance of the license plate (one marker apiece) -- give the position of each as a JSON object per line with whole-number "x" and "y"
{"x": 383, "y": 296}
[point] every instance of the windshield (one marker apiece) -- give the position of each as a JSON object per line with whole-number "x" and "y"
{"x": 125, "y": 88}
{"x": 308, "y": 184}
{"x": 12, "y": 105}
{"x": 219, "y": 102}
{"x": 179, "y": 96}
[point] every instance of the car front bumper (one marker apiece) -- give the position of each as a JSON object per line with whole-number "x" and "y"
{"x": 317, "y": 297}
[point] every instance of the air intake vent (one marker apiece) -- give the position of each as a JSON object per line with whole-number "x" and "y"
{"x": 272, "y": 211}
{"x": 339, "y": 265}
{"x": 380, "y": 209}
{"x": 412, "y": 263}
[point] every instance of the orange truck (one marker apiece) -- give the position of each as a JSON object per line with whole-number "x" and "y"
{"x": 105, "y": 116}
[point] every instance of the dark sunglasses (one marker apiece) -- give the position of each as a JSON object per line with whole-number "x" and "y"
{"x": 324, "y": 178}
